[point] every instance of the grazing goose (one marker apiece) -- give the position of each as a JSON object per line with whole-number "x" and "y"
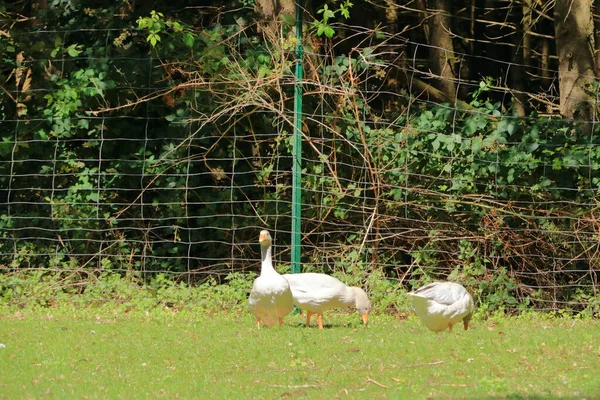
{"x": 316, "y": 293}
{"x": 442, "y": 304}
{"x": 271, "y": 298}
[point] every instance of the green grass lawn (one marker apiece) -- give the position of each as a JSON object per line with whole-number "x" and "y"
{"x": 76, "y": 354}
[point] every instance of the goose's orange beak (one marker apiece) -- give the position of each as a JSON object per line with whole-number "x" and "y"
{"x": 365, "y": 318}
{"x": 262, "y": 237}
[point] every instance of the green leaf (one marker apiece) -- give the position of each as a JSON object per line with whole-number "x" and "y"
{"x": 511, "y": 175}
{"x": 494, "y": 168}
{"x": 531, "y": 147}
{"x": 476, "y": 145}
{"x": 511, "y": 128}
{"x": 153, "y": 38}
{"x": 42, "y": 134}
{"x": 177, "y": 27}
{"x": 72, "y": 51}
{"x": 264, "y": 71}
{"x": 189, "y": 39}
{"x": 84, "y": 123}
{"x": 93, "y": 197}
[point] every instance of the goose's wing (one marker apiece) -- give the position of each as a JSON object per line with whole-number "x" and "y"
{"x": 446, "y": 293}
{"x": 258, "y": 299}
{"x": 320, "y": 291}
{"x": 310, "y": 281}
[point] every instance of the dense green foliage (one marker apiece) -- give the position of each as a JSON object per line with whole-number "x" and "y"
{"x": 159, "y": 140}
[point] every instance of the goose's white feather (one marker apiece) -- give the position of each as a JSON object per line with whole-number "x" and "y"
{"x": 271, "y": 298}
{"x": 443, "y": 304}
{"x": 316, "y": 293}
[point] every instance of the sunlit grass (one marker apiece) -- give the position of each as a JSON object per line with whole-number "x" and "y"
{"x": 77, "y": 354}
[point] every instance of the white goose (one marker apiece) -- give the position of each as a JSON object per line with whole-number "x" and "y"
{"x": 316, "y": 293}
{"x": 271, "y": 298}
{"x": 443, "y": 304}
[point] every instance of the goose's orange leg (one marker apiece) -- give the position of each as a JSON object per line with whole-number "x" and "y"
{"x": 280, "y": 319}
{"x": 308, "y": 315}
{"x": 320, "y": 318}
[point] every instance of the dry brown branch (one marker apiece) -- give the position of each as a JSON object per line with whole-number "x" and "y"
{"x": 424, "y": 364}
{"x": 369, "y": 380}
{"x": 297, "y": 386}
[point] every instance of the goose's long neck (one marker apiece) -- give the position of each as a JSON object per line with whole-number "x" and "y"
{"x": 351, "y": 296}
{"x": 359, "y": 298}
{"x": 266, "y": 259}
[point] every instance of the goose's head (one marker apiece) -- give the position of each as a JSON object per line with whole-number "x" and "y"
{"x": 362, "y": 304}
{"x": 265, "y": 239}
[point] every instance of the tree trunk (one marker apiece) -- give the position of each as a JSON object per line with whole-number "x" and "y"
{"x": 597, "y": 34}
{"x": 574, "y": 35}
{"x": 391, "y": 16}
{"x": 270, "y": 9}
{"x": 526, "y": 24}
{"x": 442, "y": 51}
{"x": 522, "y": 47}
{"x": 273, "y": 12}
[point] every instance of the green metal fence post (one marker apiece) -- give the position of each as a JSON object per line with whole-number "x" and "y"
{"x": 297, "y": 149}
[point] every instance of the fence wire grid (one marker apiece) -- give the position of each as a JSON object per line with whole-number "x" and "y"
{"x": 137, "y": 183}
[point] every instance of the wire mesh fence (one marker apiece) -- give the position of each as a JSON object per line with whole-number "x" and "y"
{"x": 123, "y": 162}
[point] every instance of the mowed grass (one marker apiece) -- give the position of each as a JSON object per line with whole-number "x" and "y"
{"x": 77, "y": 354}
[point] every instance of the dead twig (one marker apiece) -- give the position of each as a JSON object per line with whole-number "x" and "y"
{"x": 296, "y": 386}
{"x": 369, "y": 380}
{"x": 424, "y": 364}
